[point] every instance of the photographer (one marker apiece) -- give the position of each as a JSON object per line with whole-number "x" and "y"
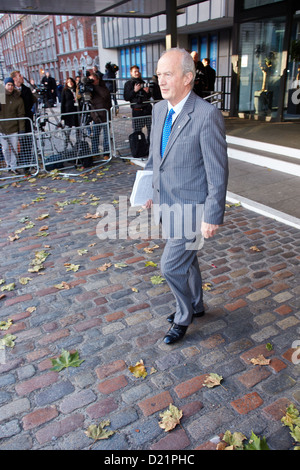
{"x": 100, "y": 99}
{"x": 137, "y": 93}
{"x": 110, "y": 80}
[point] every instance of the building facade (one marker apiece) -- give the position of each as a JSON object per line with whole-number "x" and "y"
{"x": 35, "y": 44}
{"x": 77, "y": 45}
{"x": 12, "y": 45}
{"x": 252, "y": 44}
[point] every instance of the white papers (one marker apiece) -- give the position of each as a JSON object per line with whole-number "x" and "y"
{"x": 142, "y": 189}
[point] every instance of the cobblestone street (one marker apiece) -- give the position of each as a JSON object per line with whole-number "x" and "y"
{"x": 109, "y": 310}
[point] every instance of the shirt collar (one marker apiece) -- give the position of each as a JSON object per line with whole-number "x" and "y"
{"x": 178, "y": 108}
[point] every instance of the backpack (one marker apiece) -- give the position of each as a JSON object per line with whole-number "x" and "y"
{"x": 138, "y": 145}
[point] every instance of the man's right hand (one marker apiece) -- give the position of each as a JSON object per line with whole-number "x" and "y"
{"x": 148, "y": 204}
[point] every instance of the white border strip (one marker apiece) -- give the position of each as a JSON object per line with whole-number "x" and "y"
{"x": 264, "y": 146}
{"x": 263, "y": 210}
{"x": 272, "y": 163}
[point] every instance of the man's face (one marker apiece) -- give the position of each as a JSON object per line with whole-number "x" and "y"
{"x": 18, "y": 79}
{"x": 95, "y": 79}
{"x": 135, "y": 73}
{"x": 9, "y": 87}
{"x": 174, "y": 85}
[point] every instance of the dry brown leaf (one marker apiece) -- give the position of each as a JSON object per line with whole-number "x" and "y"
{"x": 254, "y": 248}
{"x": 260, "y": 360}
{"x": 44, "y": 227}
{"x": 92, "y": 216}
{"x": 104, "y": 267}
{"x": 139, "y": 369}
{"x": 151, "y": 249}
{"x": 170, "y": 418}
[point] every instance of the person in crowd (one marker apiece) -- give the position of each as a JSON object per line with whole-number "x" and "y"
{"x": 97, "y": 72}
{"x": 10, "y": 130}
{"x": 100, "y": 99}
{"x": 110, "y": 80}
{"x": 29, "y": 99}
{"x": 50, "y": 86}
{"x": 200, "y": 82}
{"x": 136, "y": 91}
{"x": 188, "y": 157}
{"x": 69, "y": 105}
{"x": 210, "y": 74}
{"x": 59, "y": 88}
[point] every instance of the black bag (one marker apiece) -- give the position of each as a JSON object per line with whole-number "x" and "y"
{"x": 83, "y": 148}
{"x": 138, "y": 145}
{"x": 53, "y": 162}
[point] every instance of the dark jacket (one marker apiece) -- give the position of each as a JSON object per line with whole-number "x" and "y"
{"x": 100, "y": 100}
{"x": 137, "y": 98}
{"x": 68, "y": 100}
{"x": 13, "y": 108}
{"x": 29, "y": 99}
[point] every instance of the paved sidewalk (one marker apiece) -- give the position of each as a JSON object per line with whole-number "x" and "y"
{"x": 117, "y": 317}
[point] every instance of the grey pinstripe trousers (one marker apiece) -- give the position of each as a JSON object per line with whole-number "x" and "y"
{"x": 180, "y": 268}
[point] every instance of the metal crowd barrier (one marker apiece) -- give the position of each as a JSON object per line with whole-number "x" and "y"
{"x": 83, "y": 147}
{"x": 18, "y": 152}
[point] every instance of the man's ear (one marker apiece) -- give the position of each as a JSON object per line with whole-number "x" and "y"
{"x": 188, "y": 78}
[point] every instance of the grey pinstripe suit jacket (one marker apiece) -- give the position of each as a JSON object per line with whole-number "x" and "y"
{"x": 194, "y": 169}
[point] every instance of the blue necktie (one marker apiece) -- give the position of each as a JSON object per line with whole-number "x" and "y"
{"x": 166, "y": 131}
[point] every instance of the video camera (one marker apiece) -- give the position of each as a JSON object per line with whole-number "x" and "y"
{"x": 112, "y": 68}
{"x": 41, "y": 90}
{"x": 86, "y": 88}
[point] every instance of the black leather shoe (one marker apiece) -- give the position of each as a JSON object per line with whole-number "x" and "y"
{"x": 175, "y": 333}
{"x": 171, "y": 317}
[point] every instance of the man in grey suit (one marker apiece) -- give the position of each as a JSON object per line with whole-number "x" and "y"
{"x": 190, "y": 171}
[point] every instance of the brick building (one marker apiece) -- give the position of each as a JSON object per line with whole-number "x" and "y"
{"x": 77, "y": 45}
{"x": 12, "y": 44}
{"x": 36, "y": 44}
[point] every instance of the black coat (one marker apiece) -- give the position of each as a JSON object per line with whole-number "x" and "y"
{"x": 68, "y": 101}
{"x": 29, "y": 99}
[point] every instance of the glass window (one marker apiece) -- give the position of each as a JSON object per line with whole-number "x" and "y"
{"x": 261, "y": 44}
{"x": 258, "y": 3}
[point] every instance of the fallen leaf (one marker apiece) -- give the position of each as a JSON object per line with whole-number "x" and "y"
{"x": 62, "y": 285}
{"x": 8, "y": 287}
{"x": 92, "y": 216}
{"x": 98, "y": 432}
{"x": 157, "y": 280}
{"x": 260, "y": 360}
{"x": 213, "y": 380}
{"x": 82, "y": 251}
{"x": 150, "y": 263}
{"x": 66, "y": 359}
{"x": 7, "y": 340}
{"x": 206, "y": 286}
{"x": 151, "y": 249}
{"x": 4, "y": 325}
{"x": 72, "y": 267}
{"x": 24, "y": 280}
{"x": 121, "y": 265}
{"x": 44, "y": 227}
{"x": 170, "y": 418}
{"x": 254, "y": 248}
{"x": 104, "y": 267}
{"x": 42, "y": 217}
{"x": 139, "y": 369}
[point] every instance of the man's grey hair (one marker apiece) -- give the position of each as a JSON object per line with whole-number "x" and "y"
{"x": 187, "y": 61}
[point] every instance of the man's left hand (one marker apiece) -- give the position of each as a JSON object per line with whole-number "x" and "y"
{"x": 209, "y": 230}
